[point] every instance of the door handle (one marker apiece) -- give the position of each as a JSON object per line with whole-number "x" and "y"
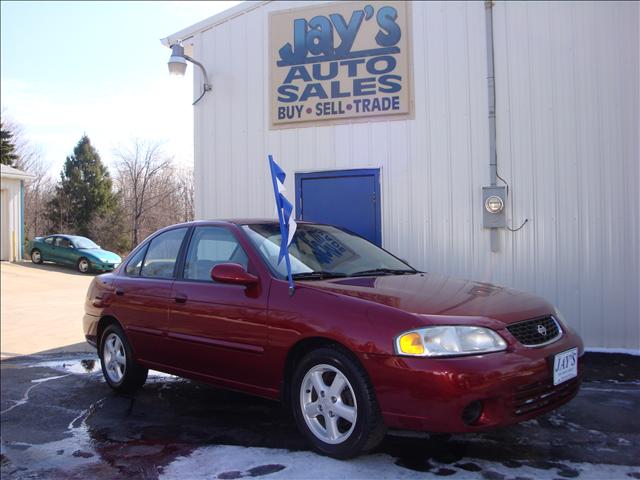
{"x": 119, "y": 291}
{"x": 180, "y": 298}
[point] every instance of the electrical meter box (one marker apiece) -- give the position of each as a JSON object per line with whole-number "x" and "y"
{"x": 494, "y": 201}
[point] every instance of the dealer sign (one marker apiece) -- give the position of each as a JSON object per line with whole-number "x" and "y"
{"x": 339, "y": 62}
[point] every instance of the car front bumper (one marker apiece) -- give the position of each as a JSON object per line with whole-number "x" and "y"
{"x": 90, "y": 327}
{"x": 431, "y": 394}
{"x": 104, "y": 266}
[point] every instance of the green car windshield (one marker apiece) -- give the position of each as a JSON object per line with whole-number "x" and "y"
{"x": 322, "y": 251}
{"x": 82, "y": 242}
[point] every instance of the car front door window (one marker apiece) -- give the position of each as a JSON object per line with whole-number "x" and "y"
{"x": 211, "y": 246}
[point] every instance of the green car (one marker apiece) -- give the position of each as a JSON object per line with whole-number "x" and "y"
{"x": 80, "y": 252}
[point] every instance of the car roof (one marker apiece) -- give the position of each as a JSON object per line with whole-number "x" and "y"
{"x": 70, "y": 237}
{"x": 240, "y": 221}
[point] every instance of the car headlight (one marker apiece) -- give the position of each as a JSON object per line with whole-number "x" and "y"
{"x": 448, "y": 341}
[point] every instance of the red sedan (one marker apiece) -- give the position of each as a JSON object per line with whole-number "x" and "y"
{"x": 365, "y": 342}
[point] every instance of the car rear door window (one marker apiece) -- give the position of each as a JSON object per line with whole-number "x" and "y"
{"x": 134, "y": 266}
{"x": 211, "y": 246}
{"x": 49, "y": 240}
{"x": 162, "y": 254}
{"x": 63, "y": 242}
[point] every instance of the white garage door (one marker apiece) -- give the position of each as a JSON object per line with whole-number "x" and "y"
{"x": 5, "y": 236}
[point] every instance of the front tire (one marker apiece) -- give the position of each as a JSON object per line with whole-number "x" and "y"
{"x": 36, "y": 256}
{"x": 83, "y": 265}
{"x": 120, "y": 369}
{"x": 334, "y": 404}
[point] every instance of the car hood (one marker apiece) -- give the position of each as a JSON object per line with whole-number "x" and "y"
{"x": 437, "y": 295}
{"x": 99, "y": 254}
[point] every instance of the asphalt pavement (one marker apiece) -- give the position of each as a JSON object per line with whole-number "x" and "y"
{"x": 60, "y": 420}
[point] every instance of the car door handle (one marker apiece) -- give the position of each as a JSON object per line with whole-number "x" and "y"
{"x": 180, "y": 298}
{"x": 119, "y": 291}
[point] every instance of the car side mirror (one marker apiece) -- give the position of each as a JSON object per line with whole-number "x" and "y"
{"x": 232, "y": 273}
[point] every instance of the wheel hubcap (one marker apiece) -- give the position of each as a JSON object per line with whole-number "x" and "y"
{"x": 114, "y": 358}
{"x": 328, "y": 404}
{"x": 35, "y": 256}
{"x": 84, "y": 265}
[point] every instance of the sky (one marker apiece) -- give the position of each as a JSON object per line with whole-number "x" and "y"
{"x": 97, "y": 68}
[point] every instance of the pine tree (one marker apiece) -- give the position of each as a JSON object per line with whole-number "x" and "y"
{"x": 8, "y": 155}
{"x": 83, "y": 192}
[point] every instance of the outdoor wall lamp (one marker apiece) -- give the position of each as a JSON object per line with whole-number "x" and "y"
{"x": 178, "y": 65}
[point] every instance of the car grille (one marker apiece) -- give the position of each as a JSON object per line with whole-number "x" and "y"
{"x": 536, "y": 396}
{"x": 536, "y": 332}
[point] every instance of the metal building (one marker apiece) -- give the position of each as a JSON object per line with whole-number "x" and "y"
{"x": 408, "y": 170}
{"x": 12, "y": 212}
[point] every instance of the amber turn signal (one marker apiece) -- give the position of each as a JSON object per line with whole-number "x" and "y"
{"x": 411, "y": 344}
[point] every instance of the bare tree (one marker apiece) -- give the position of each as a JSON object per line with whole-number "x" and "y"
{"x": 144, "y": 174}
{"x": 183, "y": 194}
{"x": 39, "y": 190}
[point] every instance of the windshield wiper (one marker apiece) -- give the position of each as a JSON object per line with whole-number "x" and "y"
{"x": 317, "y": 275}
{"x": 382, "y": 271}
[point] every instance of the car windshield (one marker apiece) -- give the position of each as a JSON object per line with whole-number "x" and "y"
{"x": 82, "y": 242}
{"x": 323, "y": 251}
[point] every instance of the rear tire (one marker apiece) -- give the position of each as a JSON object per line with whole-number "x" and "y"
{"x": 342, "y": 419}
{"x": 36, "y": 256}
{"x": 83, "y": 265}
{"x": 120, "y": 369}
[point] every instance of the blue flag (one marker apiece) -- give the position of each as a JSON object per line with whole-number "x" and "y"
{"x": 285, "y": 217}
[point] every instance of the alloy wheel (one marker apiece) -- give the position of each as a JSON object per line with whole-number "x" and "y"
{"x": 114, "y": 358}
{"x": 83, "y": 266}
{"x": 328, "y": 404}
{"x": 35, "y": 257}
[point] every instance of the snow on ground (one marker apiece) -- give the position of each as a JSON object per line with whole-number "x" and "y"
{"x": 231, "y": 462}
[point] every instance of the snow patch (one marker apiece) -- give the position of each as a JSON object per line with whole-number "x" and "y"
{"x": 92, "y": 366}
{"x": 232, "y": 462}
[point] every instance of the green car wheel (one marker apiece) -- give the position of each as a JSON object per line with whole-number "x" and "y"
{"x": 84, "y": 266}
{"x": 36, "y": 256}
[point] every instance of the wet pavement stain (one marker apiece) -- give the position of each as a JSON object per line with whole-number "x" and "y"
{"x": 469, "y": 467}
{"x": 417, "y": 464}
{"x": 491, "y": 475}
{"x": 232, "y": 475}
{"x": 95, "y": 433}
{"x": 565, "y": 472}
{"x": 265, "y": 470}
{"x": 445, "y": 472}
{"x": 80, "y": 453}
{"x": 252, "y": 472}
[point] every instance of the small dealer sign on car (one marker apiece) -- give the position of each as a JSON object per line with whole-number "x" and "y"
{"x": 341, "y": 61}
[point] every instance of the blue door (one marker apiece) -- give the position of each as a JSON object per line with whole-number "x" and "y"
{"x": 347, "y": 198}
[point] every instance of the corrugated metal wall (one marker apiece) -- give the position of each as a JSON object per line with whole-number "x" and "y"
{"x": 567, "y": 118}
